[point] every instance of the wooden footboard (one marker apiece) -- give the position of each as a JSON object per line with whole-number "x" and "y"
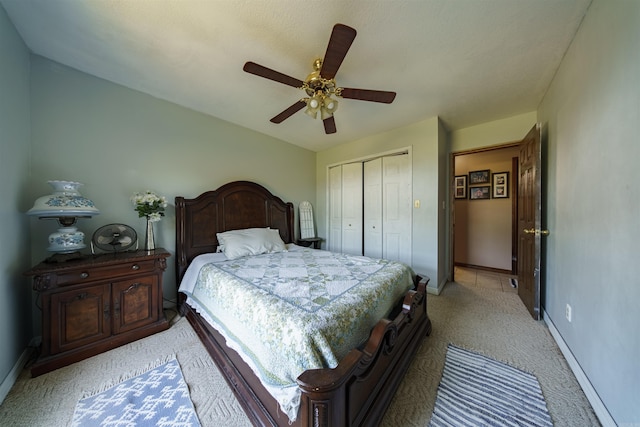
{"x": 358, "y": 391}
{"x": 355, "y": 393}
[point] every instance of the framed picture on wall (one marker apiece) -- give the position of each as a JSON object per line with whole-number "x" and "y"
{"x": 480, "y": 193}
{"x": 479, "y": 177}
{"x": 500, "y": 185}
{"x": 460, "y": 187}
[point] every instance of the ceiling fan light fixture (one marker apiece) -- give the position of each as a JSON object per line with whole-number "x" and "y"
{"x": 313, "y": 105}
{"x": 325, "y": 114}
{"x": 311, "y": 113}
{"x": 330, "y": 104}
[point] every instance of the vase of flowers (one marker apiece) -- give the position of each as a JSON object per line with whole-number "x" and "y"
{"x": 150, "y": 206}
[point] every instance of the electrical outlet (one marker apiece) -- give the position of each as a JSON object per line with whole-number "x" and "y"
{"x": 567, "y": 312}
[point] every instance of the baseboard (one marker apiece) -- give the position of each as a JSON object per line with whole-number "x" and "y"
{"x": 592, "y": 396}
{"x": 436, "y": 290}
{"x": 13, "y": 375}
{"x": 481, "y": 267}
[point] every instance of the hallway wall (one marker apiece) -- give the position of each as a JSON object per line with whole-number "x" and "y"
{"x": 483, "y": 228}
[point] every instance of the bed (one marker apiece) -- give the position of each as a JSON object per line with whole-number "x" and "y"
{"x": 355, "y": 392}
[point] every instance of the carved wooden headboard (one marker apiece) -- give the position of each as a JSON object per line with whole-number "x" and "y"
{"x": 234, "y": 206}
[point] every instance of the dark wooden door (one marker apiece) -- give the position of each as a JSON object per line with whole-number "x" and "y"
{"x": 529, "y": 221}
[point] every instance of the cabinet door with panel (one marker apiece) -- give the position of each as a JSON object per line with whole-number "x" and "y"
{"x": 79, "y": 317}
{"x": 134, "y": 303}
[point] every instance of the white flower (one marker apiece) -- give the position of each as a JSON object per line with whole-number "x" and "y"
{"x": 150, "y": 205}
{"x": 154, "y": 217}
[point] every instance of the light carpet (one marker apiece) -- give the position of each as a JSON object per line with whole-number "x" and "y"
{"x": 158, "y": 397}
{"x": 492, "y": 322}
{"x": 476, "y": 390}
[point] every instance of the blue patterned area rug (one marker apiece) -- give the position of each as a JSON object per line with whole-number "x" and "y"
{"x": 158, "y": 397}
{"x": 476, "y": 390}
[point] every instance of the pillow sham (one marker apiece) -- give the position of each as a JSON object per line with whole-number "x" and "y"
{"x": 250, "y": 241}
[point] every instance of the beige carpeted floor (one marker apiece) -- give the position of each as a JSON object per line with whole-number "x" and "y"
{"x": 490, "y": 321}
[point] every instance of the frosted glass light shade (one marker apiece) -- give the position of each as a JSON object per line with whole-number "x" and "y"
{"x": 330, "y": 104}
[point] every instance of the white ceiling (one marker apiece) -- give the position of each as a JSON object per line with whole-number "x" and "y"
{"x": 466, "y": 61}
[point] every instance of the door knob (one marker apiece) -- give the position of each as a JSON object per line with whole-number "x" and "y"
{"x": 536, "y": 231}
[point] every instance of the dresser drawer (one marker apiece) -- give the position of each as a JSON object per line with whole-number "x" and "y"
{"x": 104, "y": 272}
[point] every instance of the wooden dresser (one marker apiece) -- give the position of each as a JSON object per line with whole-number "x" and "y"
{"x": 96, "y": 303}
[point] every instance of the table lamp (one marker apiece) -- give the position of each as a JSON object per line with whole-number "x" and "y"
{"x": 65, "y": 205}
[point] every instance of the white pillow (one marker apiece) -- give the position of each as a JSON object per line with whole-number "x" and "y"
{"x": 250, "y": 241}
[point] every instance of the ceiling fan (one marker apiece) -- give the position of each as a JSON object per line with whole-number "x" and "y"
{"x": 320, "y": 85}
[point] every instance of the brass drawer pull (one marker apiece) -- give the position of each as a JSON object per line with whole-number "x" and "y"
{"x": 132, "y": 287}
{"x": 536, "y": 231}
{"x": 135, "y": 267}
{"x": 84, "y": 275}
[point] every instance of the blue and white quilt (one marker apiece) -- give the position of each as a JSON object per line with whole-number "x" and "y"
{"x": 291, "y": 311}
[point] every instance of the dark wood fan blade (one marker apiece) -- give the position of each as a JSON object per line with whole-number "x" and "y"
{"x": 268, "y": 73}
{"x": 339, "y": 44}
{"x": 329, "y": 125}
{"x": 368, "y": 95}
{"x": 289, "y": 112}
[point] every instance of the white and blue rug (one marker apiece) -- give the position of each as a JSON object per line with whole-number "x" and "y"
{"x": 476, "y": 390}
{"x": 158, "y": 397}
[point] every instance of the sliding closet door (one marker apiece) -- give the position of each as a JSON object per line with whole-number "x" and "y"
{"x": 370, "y": 207}
{"x": 345, "y": 209}
{"x": 373, "y": 208}
{"x": 335, "y": 209}
{"x": 396, "y": 208}
{"x": 352, "y": 208}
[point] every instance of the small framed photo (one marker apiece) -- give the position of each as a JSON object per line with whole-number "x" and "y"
{"x": 460, "y": 187}
{"x": 500, "y": 185}
{"x": 479, "y": 193}
{"x": 479, "y": 177}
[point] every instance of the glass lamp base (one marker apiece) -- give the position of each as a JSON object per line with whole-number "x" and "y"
{"x": 66, "y": 240}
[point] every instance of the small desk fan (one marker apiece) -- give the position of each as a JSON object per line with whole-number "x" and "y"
{"x": 114, "y": 238}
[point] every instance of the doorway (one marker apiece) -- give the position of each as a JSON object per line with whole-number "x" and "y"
{"x": 526, "y": 207}
{"x": 484, "y": 213}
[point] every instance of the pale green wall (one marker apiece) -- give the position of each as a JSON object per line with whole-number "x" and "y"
{"x": 15, "y": 289}
{"x": 428, "y": 227}
{"x": 117, "y": 141}
{"x": 591, "y": 153}
{"x": 590, "y": 118}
